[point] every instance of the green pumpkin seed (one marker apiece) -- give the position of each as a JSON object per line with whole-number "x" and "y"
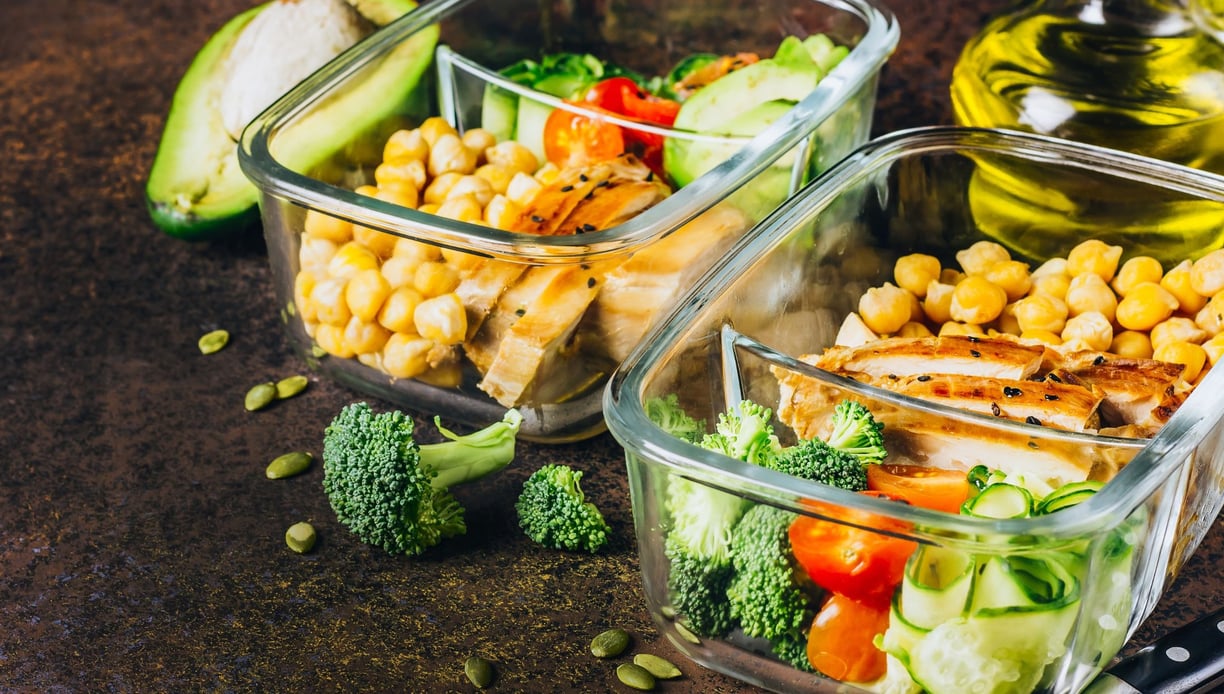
{"x": 260, "y": 396}
{"x": 289, "y": 464}
{"x": 289, "y": 387}
{"x": 660, "y": 668}
{"x": 685, "y": 633}
{"x": 301, "y": 537}
{"x": 610, "y": 644}
{"x": 479, "y": 671}
{"x": 317, "y": 352}
{"x": 635, "y": 676}
{"x": 213, "y": 341}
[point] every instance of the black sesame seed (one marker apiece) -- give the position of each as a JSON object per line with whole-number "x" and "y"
{"x": 892, "y": 377}
{"x": 590, "y": 282}
{"x": 603, "y": 183}
{"x": 1054, "y": 377}
{"x": 537, "y": 219}
{"x": 566, "y": 189}
{"x": 923, "y": 378}
{"x": 1011, "y": 392}
{"x": 588, "y": 227}
{"x": 583, "y": 178}
{"x": 974, "y": 338}
{"x": 1032, "y": 445}
{"x": 974, "y": 353}
{"x": 520, "y": 311}
{"x": 1032, "y": 420}
{"x": 1051, "y": 396}
{"x": 1099, "y": 360}
{"x": 995, "y": 410}
{"x": 650, "y": 176}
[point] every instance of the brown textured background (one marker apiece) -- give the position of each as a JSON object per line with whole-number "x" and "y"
{"x": 141, "y": 548}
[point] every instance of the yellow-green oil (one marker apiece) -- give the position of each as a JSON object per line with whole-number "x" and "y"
{"x": 1158, "y": 92}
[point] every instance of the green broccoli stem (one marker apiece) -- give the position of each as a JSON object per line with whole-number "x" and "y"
{"x": 468, "y": 458}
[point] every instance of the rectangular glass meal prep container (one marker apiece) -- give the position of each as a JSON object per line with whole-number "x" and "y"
{"x": 547, "y": 316}
{"x": 1037, "y": 603}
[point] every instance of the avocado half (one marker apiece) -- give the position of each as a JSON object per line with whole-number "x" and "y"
{"x": 196, "y": 189}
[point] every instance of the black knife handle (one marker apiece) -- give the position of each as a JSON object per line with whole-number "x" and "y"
{"x": 1187, "y": 659}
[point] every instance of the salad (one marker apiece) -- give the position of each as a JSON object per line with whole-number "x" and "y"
{"x": 848, "y": 595}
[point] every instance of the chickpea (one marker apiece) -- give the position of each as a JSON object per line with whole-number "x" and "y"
{"x": 1013, "y": 276}
{"x": 951, "y": 275}
{"x": 329, "y": 303}
{"x": 478, "y": 140}
{"x": 1207, "y": 274}
{"x": 914, "y": 329}
{"x": 1146, "y": 305}
{"x": 1044, "y": 337}
{"x": 1131, "y": 343}
{"x": 1055, "y": 266}
{"x": 316, "y": 253}
{"x": 1092, "y": 329}
{"x": 448, "y": 155}
{"x": 1176, "y": 329}
{"x": 978, "y": 257}
{"x": 405, "y": 145}
{"x": 1007, "y": 322}
{"x": 1041, "y": 312}
{"x": 365, "y": 293}
{"x": 1094, "y": 256}
{"x": 410, "y": 172}
{"x": 955, "y": 328}
{"x": 1088, "y": 292}
{"x": 977, "y": 300}
{"x": 1177, "y": 281}
{"x": 397, "y": 310}
{"x": 406, "y": 356}
{"x": 937, "y": 306}
{"x": 434, "y": 128}
{"x": 1188, "y": 354}
{"x": 330, "y": 339}
{"x": 1141, "y": 268}
{"x": 1214, "y": 348}
{"x": 325, "y": 226}
{"x": 915, "y": 271}
{"x": 1211, "y": 316}
{"x": 350, "y": 259}
{"x": 885, "y": 309}
{"x": 1053, "y": 284}
{"x": 363, "y": 337}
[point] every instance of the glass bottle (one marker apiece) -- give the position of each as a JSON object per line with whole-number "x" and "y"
{"x": 1136, "y": 75}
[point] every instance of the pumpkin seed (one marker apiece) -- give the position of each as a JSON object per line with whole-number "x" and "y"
{"x": 289, "y": 464}
{"x": 685, "y": 633}
{"x": 660, "y": 668}
{"x": 479, "y": 671}
{"x": 301, "y": 537}
{"x": 317, "y": 352}
{"x": 610, "y": 643}
{"x": 635, "y": 676}
{"x": 213, "y": 341}
{"x": 260, "y": 396}
{"x": 291, "y": 386}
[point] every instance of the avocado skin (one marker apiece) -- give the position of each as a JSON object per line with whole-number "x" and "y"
{"x": 196, "y": 190}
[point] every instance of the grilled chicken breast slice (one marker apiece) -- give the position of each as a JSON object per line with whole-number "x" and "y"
{"x": 1142, "y": 392}
{"x": 950, "y": 354}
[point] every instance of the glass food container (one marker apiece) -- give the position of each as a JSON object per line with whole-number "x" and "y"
{"x": 870, "y": 593}
{"x": 535, "y": 317}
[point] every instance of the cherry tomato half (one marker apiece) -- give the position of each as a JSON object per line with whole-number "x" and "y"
{"x": 571, "y": 139}
{"x": 928, "y": 487}
{"x": 860, "y": 564}
{"x": 623, "y": 96}
{"x": 840, "y": 642}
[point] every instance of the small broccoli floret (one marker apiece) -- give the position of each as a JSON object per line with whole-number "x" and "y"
{"x": 667, "y": 413}
{"x": 698, "y": 547}
{"x": 394, "y": 493}
{"x": 856, "y": 431}
{"x": 813, "y": 459}
{"x": 770, "y": 594}
{"x": 745, "y": 433}
{"x": 554, "y": 512}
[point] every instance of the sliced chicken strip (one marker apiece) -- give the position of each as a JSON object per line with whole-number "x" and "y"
{"x": 1046, "y": 402}
{"x": 952, "y": 354}
{"x": 541, "y": 335}
{"x": 1143, "y": 392}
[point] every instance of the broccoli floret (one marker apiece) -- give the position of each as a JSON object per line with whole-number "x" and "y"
{"x": 554, "y": 512}
{"x": 698, "y": 549}
{"x": 856, "y": 431}
{"x": 770, "y": 594}
{"x": 813, "y": 459}
{"x": 394, "y": 493}
{"x": 667, "y": 413}
{"x": 745, "y": 434}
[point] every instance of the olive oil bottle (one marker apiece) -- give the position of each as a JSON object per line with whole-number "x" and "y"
{"x": 1133, "y": 75}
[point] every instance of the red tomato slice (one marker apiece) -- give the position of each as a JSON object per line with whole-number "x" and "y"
{"x": 860, "y": 564}
{"x": 571, "y": 139}
{"x": 623, "y": 96}
{"x": 840, "y": 640}
{"x": 928, "y": 487}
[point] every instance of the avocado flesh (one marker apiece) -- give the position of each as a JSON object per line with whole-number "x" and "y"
{"x": 196, "y": 189}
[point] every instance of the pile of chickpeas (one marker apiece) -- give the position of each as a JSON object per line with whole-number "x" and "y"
{"x": 1086, "y": 301}
{"x": 388, "y": 301}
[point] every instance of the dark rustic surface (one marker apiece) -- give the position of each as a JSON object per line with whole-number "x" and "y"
{"x": 141, "y": 547}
